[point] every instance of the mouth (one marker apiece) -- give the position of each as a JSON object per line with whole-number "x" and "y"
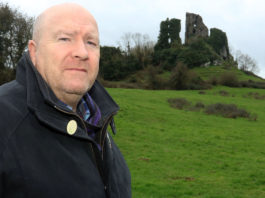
{"x": 77, "y": 69}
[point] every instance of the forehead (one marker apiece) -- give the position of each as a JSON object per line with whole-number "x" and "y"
{"x": 73, "y": 29}
{"x": 72, "y": 21}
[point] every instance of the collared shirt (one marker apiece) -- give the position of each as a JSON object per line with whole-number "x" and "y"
{"x": 88, "y": 110}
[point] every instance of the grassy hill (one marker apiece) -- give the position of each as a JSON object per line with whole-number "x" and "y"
{"x": 208, "y": 72}
{"x": 182, "y": 153}
{"x": 143, "y": 78}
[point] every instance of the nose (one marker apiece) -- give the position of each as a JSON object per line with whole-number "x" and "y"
{"x": 80, "y": 51}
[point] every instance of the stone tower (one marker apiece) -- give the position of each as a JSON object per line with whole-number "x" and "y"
{"x": 195, "y": 28}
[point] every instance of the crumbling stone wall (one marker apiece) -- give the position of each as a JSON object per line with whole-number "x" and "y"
{"x": 195, "y": 28}
{"x": 174, "y": 30}
{"x": 169, "y": 34}
{"x": 218, "y": 41}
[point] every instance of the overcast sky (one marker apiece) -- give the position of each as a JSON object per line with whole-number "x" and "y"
{"x": 242, "y": 20}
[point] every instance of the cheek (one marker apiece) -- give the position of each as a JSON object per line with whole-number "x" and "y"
{"x": 95, "y": 63}
{"x": 96, "y": 68}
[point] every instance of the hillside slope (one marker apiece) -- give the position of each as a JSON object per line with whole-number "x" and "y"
{"x": 155, "y": 78}
{"x": 180, "y": 153}
{"x": 207, "y": 72}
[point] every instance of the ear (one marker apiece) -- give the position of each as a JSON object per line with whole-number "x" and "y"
{"x": 32, "y": 51}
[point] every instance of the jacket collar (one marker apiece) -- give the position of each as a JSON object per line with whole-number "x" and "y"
{"x": 39, "y": 92}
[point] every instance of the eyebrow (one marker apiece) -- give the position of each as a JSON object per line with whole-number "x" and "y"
{"x": 65, "y": 32}
{"x": 73, "y": 33}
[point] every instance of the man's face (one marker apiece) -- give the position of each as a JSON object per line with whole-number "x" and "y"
{"x": 67, "y": 54}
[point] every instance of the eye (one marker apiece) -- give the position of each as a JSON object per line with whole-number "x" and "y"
{"x": 64, "y": 39}
{"x": 91, "y": 43}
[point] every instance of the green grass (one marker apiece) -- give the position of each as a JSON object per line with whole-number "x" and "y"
{"x": 141, "y": 79}
{"x": 206, "y": 73}
{"x": 178, "y": 153}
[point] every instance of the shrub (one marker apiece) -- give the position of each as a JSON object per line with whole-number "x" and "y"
{"x": 202, "y": 92}
{"x": 224, "y": 93}
{"x": 253, "y": 84}
{"x": 199, "y": 105}
{"x": 213, "y": 80}
{"x": 195, "y": 81}
{"x": 179, "y": 77}
{"x": 179, "y": 103}
{"x": 226, "y": 110}
{"x": 118, "y": 84}
{"x": 183, "y": 78}
{"x": 256, "y": 95}
{"x": 154, "y": 82}
{"x": 229, "y": 79}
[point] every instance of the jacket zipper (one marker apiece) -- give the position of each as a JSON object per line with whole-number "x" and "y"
{"x": 84, "y": 125}
{"x": 102, "y": 141}
{"x": 105, "y": 124}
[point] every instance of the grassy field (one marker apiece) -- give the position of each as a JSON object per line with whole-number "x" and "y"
{"x": 206, "y": 73}
{"x": 180, "y": 153}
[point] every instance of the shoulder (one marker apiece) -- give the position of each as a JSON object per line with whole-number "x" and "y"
{"x": 13, "y": 100}
{"x": 13, "y": 107}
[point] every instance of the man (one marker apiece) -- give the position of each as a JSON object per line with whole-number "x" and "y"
{"x": 54, "y": 117}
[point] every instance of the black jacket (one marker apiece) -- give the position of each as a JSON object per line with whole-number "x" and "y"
{"x": 39, "y": 159}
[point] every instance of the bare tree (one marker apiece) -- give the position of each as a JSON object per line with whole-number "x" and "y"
{"x": 126, "y": 42}
{"x": 246, "y": 63}
{"x": 138, "y": 45}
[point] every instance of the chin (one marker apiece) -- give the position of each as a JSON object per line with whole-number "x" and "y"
{"x": 79, "y": 88}
{"x": 76, "y": 90}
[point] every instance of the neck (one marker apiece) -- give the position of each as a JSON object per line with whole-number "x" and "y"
{"x": 70, "y": 99}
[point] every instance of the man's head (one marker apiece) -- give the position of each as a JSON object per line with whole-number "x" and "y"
{"x": 65, "y": 50}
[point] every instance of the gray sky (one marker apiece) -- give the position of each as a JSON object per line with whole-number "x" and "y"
{"x": 242, "y": 20}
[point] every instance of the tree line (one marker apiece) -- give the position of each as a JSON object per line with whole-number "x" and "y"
{"x": 15, "y": 31}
